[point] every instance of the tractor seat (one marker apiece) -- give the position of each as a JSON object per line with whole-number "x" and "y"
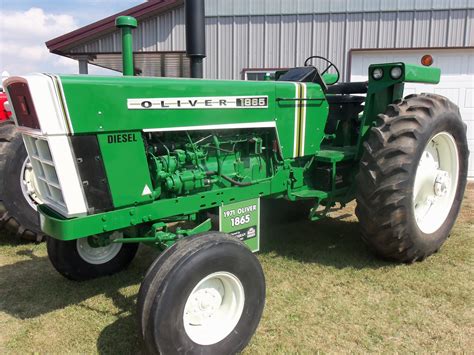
{"x": 342, "y": 108}
{"x": 348, "y": 88}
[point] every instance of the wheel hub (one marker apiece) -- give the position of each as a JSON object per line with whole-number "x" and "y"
{"x": 205, "y": 303}
{"x": 29, "y": 185}
{"x": 442, "y": 183}
{"x": 213, "y": 308}
{"x": 435, "y": 182}
{"x": 92, "y": 253}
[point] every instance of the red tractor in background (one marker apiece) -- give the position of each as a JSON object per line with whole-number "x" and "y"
{"x": 18, "y": 198}
{"x": 5, "y": 112}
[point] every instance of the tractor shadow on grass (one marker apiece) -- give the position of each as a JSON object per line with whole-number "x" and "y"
{"x": 335, "y": 242}
{"x": 32, "y": 287}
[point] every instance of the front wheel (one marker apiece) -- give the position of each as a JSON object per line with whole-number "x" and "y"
{"x": 205, "y": 296}
{"x": 412, "y": 178}
{"x": 87, "y": 258}
{"x": 18, "y": 191}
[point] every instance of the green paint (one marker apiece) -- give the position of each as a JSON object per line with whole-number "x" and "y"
{"x": 70, "y": 229}
{"x": 99, "y": 104}
{"x": 275, "y": 147}
{"x": 316, "y": 107}
{"x": 421, "y": 74}
{"x": 127, "y": 23}
{"x": 126, "y": 167}
{"x": 330, "y": 78}
{"x": 242, "y": 220}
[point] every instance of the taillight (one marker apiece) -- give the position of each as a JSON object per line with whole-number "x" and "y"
{"x": 23, "y": 105}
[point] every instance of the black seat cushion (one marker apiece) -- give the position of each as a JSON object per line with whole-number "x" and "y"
{"x": 349, "y": 88}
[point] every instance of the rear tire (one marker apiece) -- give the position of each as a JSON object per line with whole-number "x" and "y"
{"x": 17, "y": 210}
{"x": 205, "y": 295}
{"x": 412, "y": 178}
{"x": 79, "y": 261}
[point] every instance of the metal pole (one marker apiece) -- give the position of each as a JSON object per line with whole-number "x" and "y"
{"x": 126, "y": 23}
{"x": 195, "y": 35}
{"x": 83, "y": 66}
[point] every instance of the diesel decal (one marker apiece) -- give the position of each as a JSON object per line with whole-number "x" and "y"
{"x": 121, "y": 138}
{"x": 189, "y": 103}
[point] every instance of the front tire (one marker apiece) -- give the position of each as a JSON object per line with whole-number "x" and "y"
{"x": 17, "y": 200}
{"x": 206, "y": 296}
{"x": 412, "y": 178}
{"x": 81, "y": 260}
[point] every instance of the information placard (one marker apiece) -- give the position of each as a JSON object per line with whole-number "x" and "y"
{"x": 242, "y": 220}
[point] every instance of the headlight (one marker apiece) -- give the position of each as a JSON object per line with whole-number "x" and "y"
{"x": 377, "y": 74}
{"x": 396, "y": 72}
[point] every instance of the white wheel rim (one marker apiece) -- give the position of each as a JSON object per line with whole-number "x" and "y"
{"x": 97, "y": 255}
{"x": 436, "y": 182}
{"x": 29, "y": 185}
{"x": 213, "y": 308}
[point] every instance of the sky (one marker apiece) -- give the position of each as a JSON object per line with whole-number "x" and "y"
{"x": 26, "y": 25}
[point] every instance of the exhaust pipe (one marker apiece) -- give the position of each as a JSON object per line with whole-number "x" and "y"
{"x": 195, "y": 35}
{"x": 126, "y": 23}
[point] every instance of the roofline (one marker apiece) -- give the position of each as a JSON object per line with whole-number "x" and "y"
{"x": 140, "y": 11}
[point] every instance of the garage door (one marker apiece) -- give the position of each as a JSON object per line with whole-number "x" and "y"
{"x": 457, "y": 79}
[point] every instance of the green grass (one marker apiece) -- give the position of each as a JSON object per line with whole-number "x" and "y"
{"x": 325, "y": 292}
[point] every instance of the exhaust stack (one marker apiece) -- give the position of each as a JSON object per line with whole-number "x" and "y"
{"x": 195, "y": 35}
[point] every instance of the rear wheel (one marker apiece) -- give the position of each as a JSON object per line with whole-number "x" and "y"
{"x": 89, "y": 258}
{"x": 205, "y": 296}
{"x": 412, "y": 178}
{"x": 18, "y": 198}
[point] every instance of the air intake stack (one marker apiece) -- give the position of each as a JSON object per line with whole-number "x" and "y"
{"x": 126, "y": 24}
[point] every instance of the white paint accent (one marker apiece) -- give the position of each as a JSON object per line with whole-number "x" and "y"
{"x": 436, "y": 182}
{"x": 193, "y": 103}
{"x": 146, "y": 191}
{"x": 62, "y": 189}
{"x": 66, "y": 109}
{"x": 269, "y": 124}
{"x": 29, "y": 184}
{"x": 46, "y": 103}
{"x": 457, "y": 79}
{"x": 213, "y": 308}
{"x": 295, "y": 137}
{"x": 98, "y": 255}
{"x": 68, "y": 198}
{"x": 303, "y": 119}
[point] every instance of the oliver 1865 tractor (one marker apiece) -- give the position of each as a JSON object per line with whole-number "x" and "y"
{"x": 118, "y": 159}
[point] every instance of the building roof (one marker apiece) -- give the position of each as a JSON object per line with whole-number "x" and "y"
{"x": 150, "y": 8}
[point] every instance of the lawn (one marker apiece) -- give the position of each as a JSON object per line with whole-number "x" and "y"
{"x": 325, "y": 292}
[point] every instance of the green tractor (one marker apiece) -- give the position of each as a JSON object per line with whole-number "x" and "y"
{"x": 117, "y": 159}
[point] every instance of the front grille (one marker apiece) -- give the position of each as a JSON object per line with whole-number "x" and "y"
{"x": 45, "y": 171}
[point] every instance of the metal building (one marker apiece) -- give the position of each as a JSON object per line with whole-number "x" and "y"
{"x": 253, "y": 34}
{"x": 247, "y": 38}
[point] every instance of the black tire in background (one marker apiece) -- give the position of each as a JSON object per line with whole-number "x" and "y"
{"x": 16, "y": 213}
{"x": 386, "y": 177}
{"x": 170, "y": 281}
{"x": 67, "y": 260}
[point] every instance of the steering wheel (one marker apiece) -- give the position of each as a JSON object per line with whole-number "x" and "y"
{"x": 330, "y": 64}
